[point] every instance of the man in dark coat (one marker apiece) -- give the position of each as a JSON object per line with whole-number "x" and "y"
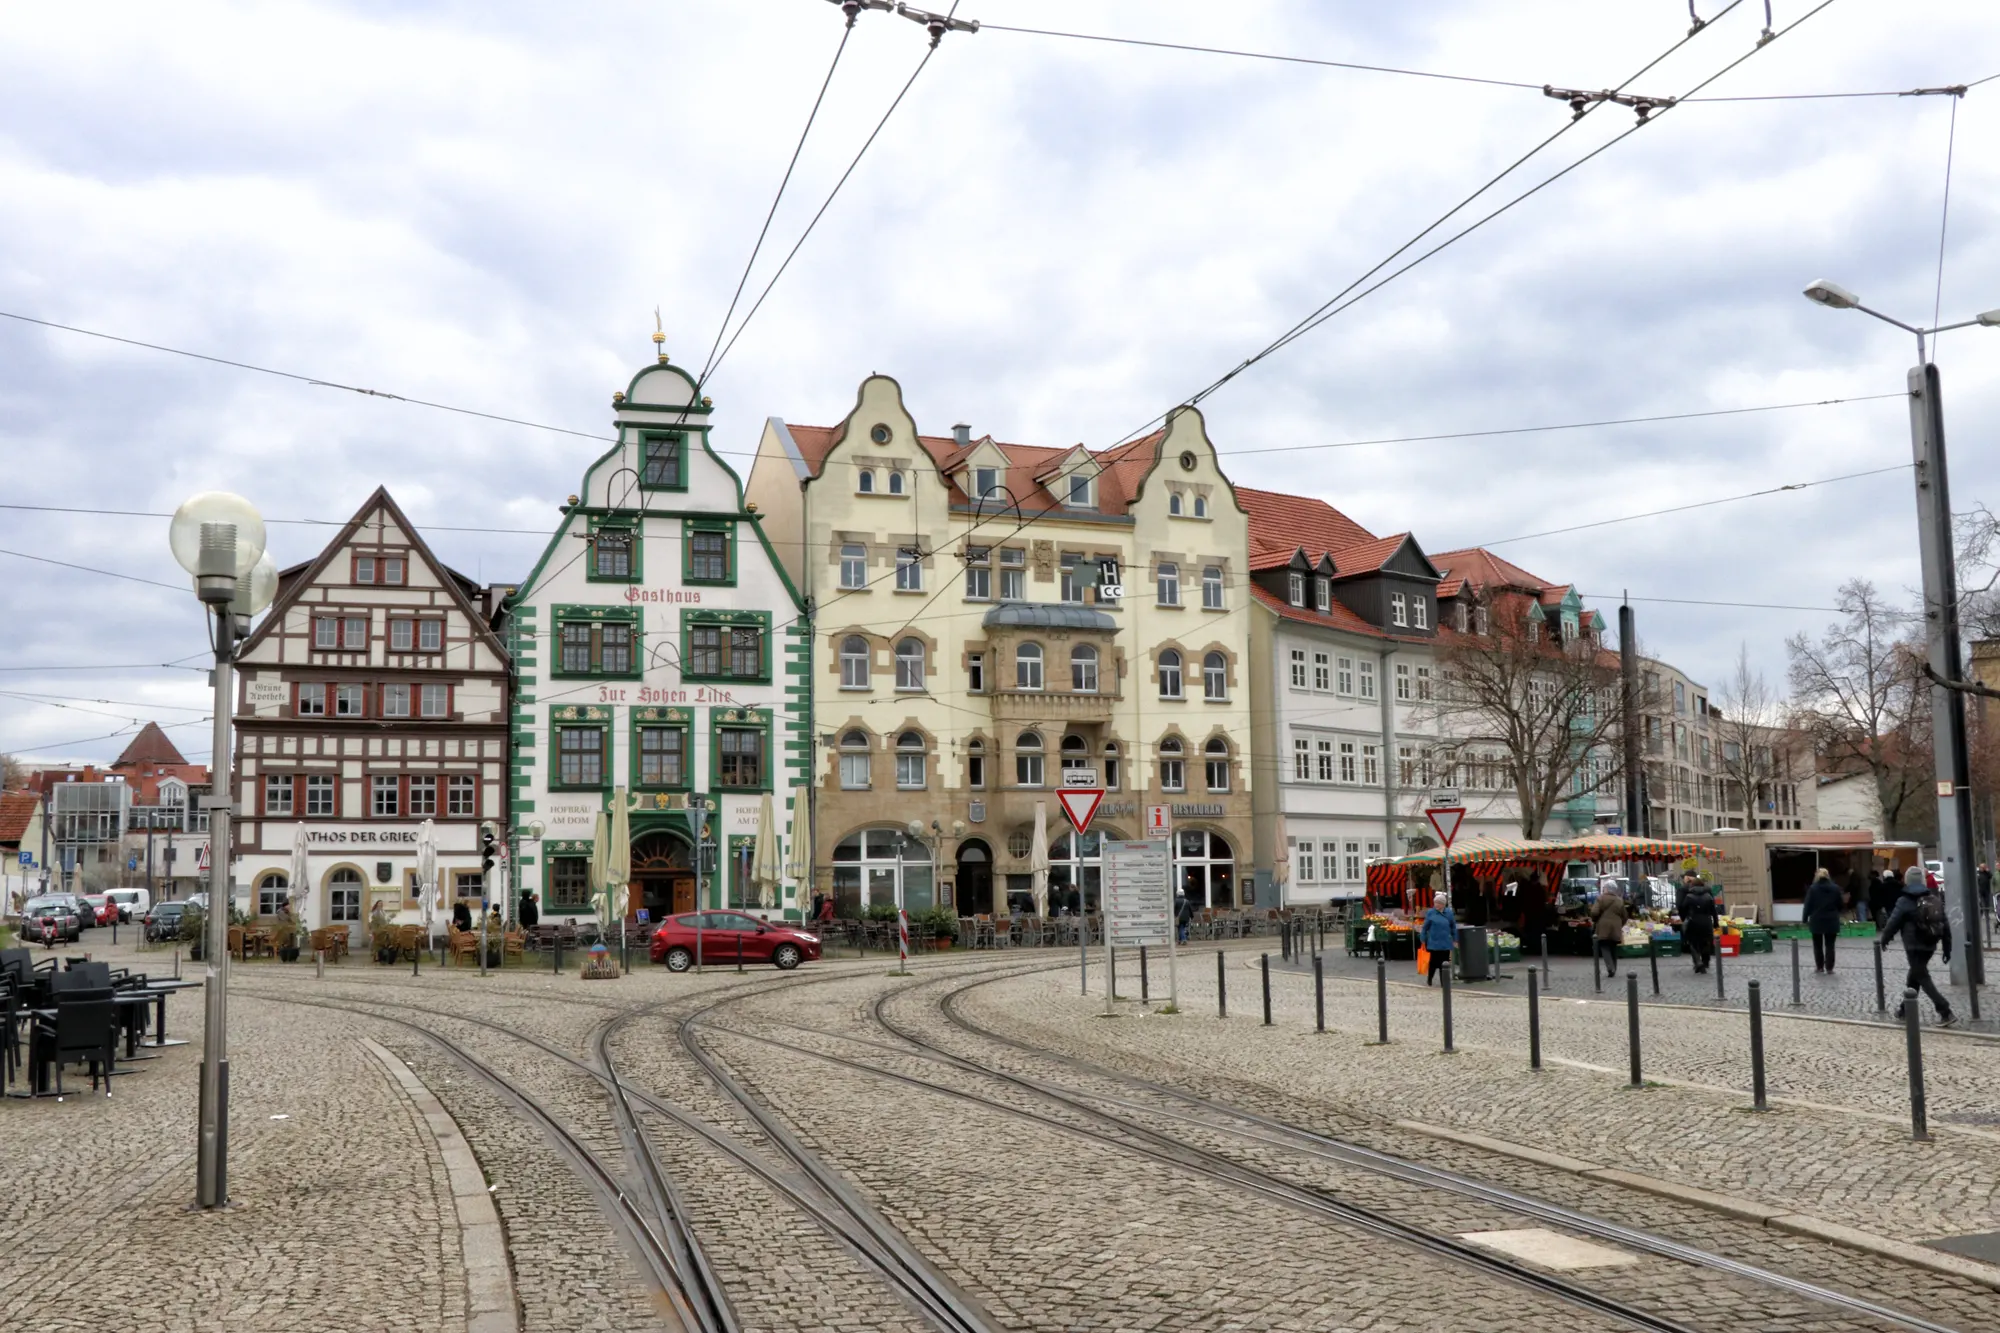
{"x": 531, "y": 911}
{"x": 461, "y": 915}
{"x": 1920, "y": 918}
{"x": 1882, "y": 895}
{"x": 1857, "y": 893}
{"x": 1822, "y": 916}
{"x": 1698, "y": 921}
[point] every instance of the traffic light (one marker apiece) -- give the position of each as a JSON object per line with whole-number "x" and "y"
{"x": 489, "y": 847}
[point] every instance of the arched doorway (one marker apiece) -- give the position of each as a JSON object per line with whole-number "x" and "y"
{"x": 1207, "y": 868}
{"x": 975, "y": 878}
{"x": 662, "y": 875}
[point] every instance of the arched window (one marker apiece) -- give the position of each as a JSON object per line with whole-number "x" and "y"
{"x": 895, "y": 483}
{"x": 343, "y": 895}
{"x": 1201, "y": 506}
{"x": 854, "y": 774}
{"x": 910, "y": 665}
{"x": 1174, "y": 503}
{"x": 853, "y": 566}
{"x": 1028, "y": 760}
{"x": 1207, "y": 868}
{"x": 1211, "y": 588}
{"x": 1170, "y": 674}
{"x": 1028, "y": 667}
{"x": 1214, "y": 677}
{"x": 1111, "y": 765}
{"x": 881, "y": 867}
{"x": 866, "y": 484}
{"x": 1075, "y": 754}
{"x": 1169, "y": 583}
{"x": 1173, "y": 769}
{"x": 854, "y": 663}
{"x": 273, "y": 894}
{"x": 975, "y": 763}
{"x": 910, "y": 761}
{"x": 1215, "y": 755}
{"x": 1083, "y": 669}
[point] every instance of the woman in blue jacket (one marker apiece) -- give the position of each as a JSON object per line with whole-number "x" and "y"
{"x": 1440, "y": 934}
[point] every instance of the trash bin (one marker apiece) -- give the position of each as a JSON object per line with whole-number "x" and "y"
{"x": 1475, "y": 961}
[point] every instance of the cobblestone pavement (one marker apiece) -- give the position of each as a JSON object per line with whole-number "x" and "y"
{"x": 341, "y": 1211}
{"x": 1047, "y": 1230}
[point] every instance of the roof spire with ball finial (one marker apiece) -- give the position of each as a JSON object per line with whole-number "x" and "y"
{"x": 659, "y": 336}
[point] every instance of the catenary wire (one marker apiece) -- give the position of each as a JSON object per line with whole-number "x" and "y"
{"x": 87, "y": 699}
{"x": 1698, "y": 504}
{"x": 1944, "y": 212}
{"x": 89, "y": 569}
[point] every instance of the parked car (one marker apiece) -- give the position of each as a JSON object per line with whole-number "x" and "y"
{"x": 131, "y": 902}
{"x": 163, "y": 920}
{"x": 57, "y": 912}
{"x": 728, "y": 936}
{"x": 102, "y": 911}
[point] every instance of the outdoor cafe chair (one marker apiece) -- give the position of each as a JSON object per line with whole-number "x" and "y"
{"x": 82, "y": 1029}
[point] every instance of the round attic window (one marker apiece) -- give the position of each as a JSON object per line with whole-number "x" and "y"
{"x": 879, "y": 433}
{"x": 1187, "y": 460}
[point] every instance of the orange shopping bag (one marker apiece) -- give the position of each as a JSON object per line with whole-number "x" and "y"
{"x": 1423, "y": 961}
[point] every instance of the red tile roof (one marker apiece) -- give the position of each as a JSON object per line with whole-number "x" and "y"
{"x": 1122, "y": 468}
{"x": 150, "y": 746}
{"x": 17, "y": 811}
{"x": 1481, "y": 568}
{"x": 1281, "y": 524}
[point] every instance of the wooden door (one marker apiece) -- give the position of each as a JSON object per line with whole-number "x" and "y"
{"x": 683, "y": 891}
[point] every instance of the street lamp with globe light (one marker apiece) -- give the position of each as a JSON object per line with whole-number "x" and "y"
{"x": 219, "y": 539}
{"x": 1946, "y": 668}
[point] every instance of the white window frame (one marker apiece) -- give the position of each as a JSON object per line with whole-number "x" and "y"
{"x": 1211, "y": 588}
{"x": 850, "y": 678}
{"x": 1420, "y": 611}
{"x": 909, "y": 571}
{"x": 910, "y": 666}
{"x": 1298, "y": 668}
{"x": 1365, "y": 677}
{"x": 1399, "y": 610}
{"x": 1168, "y": 583}
{"x": 1302, "y": 759}
{"x": 1348, "y": 767}
{"x": 1028, "y": 667}
{"x": 1295, "y": 588}
{"x": 1322, "y": 594}
{"x": 1323, "y": 672}
{"x": 1405, "y": 687}
{"x": 853, "y": 566}
{"x": 1343, "y": 676}
{"x": 1013, "y": 574}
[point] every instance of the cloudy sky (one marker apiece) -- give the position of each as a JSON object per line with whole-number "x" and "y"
{"x": 1052, "y": 239}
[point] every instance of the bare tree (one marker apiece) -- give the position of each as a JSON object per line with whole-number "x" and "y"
{"x": 13, "y": 773}
{"x": 1859, "y": 693}
{"x": 1751, "y": 717}
{"x": 1548, "y": 705}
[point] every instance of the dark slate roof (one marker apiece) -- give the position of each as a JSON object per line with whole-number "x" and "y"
{"x": 1044, "y": 615}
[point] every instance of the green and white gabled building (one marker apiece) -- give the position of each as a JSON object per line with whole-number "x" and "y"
{"x": 660, "y": 650}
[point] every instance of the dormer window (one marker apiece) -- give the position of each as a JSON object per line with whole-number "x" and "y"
{"x": 1420, "y": 611}
{"x": 1323, "y": 594}
{"x": 985, "y": 483}
{"x": 1296, "y": 592}
{"x": 1078, "y": 491}
{"x": 1399, "y": 610}
{"x": 1479, "y": 623}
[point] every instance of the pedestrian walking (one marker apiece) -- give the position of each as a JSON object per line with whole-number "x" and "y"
{"x": 1822, "y": 914}
{"x": 1440, "y": 933}
{"x": 1698, "y": 921}
{"x": 1857, "y": 893}
{"x": 1609, "y": 914}
{"x": 1920, "y": 918}
{"x": 531, "y": 911}
{"x": 1882, "y": 895}
{"x": 819, "y": 902}
{"x": 826, "y": 913}
{"x": 1183, "y": 914}
{"x": 1985, "y": 882}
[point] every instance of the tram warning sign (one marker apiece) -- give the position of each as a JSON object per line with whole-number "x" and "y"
{"x": 1079, "y": 804}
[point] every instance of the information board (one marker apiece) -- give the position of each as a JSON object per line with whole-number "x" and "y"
{"x": 1138, "y": 893}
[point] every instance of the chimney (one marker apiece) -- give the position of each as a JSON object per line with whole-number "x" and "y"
{"x": 961, "y": 434}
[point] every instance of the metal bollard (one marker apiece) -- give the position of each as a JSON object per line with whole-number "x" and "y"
{"x": 1596, "y": 968}
{"x": 1718, "y": 970}
{"x": 1264, "y": 966}
{"x": 558, "y": 956}
{"x": 1285, "y": 940}
{"x": 319, "y": 964}
{"x": 1881, "y": 996}
{"x": 1534, "y": 1020}
{"x": 1545, "y": 958}
{"x": 1796, "y": 998}
{"x": 177, "y": 962}
{"x": 1919, "y": 1124}
{"x": 1111, "y": 969}
{"x": 1221, "y": 988}
{"x": 1319, "y": 995}
{"x": 1632, "y": 1024}
{"x": 1447, "y": 1009}
{"x": 1653, "y": 959}
{"x": 1145, "y": 985}
{"x": 416, "y": 955}
{"x": 1382, "y": 997}
{"x": 1757, "y": 1048}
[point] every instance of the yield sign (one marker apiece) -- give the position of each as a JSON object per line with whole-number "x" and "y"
{"x": 1079, "y": 804}
{"x": 1446, "y": 819}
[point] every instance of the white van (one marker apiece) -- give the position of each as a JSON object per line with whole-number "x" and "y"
{"x": 132, "y": 903}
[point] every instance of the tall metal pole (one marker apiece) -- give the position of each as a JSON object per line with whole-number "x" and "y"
{"x": 212, "y": 1141}
{"x": 1953, "y": 771}
{"x": 698, "y": 816}
{"x": 1629, "y": 724}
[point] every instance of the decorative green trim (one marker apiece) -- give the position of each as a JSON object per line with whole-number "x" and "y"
{"x": 679, "y": 719}
{"x": 627, "y": 405}
{"x": 616, "y": 615}
{"x": 692, "y": 616}
{"x": 552, "y": 847}
{"x": 690, "y": 528}
{"x": 739, "y": 719}
{"x": 579, "y": 715}
{"x": 620, "y": 524}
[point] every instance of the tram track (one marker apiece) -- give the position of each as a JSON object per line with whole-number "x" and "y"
{"x": 1131, "y": 1135}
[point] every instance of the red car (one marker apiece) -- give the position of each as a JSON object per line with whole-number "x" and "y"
{"x": 729, "y": 936}
{"x": 102, "y": 909}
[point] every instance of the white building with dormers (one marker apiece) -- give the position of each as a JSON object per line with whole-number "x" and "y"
{"x": 659, "y": 650}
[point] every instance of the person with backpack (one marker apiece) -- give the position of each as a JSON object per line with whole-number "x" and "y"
{"x": 1921, "y": 919}
{"x": 1822, "y": 916}
{"x": 1698, "y": 920}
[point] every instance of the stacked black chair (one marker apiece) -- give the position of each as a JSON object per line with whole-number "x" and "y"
{"x": 84, "y": 1028}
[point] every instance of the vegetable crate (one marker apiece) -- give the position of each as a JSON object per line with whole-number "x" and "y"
{"x": 1729, "y": 945}
{"x": 1507, "y": 953}
{"x": 1756, "y": 941}
{"x": 1633, "y": 951}
{"x": 1670, "y": 946}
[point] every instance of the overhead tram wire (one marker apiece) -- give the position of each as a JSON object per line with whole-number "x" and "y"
{"x": 1318, "y": 314}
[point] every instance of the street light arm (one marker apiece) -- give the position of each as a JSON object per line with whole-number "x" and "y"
{"x": 1907, "y": 328}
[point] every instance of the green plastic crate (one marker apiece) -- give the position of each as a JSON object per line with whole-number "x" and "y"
{"x": 1756, "y": 941}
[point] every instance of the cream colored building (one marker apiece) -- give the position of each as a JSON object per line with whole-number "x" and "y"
{"x": 989, "y": 616}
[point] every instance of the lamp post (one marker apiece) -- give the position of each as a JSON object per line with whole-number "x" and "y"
{"x": 219, "y": 539}
{"x": 1940, "y": 581}
{"x": 697, "y": 805}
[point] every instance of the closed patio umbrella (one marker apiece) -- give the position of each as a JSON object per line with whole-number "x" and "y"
{"x": 600, "y": 856}
{"x": 301, "y": 877}
{"x": 765, "y": 870}
{"x": 798, "y": 866}
{"x": 427, "y": 873}
{"x": 1038, "y": 858}
{"x": 618, "y": 861}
